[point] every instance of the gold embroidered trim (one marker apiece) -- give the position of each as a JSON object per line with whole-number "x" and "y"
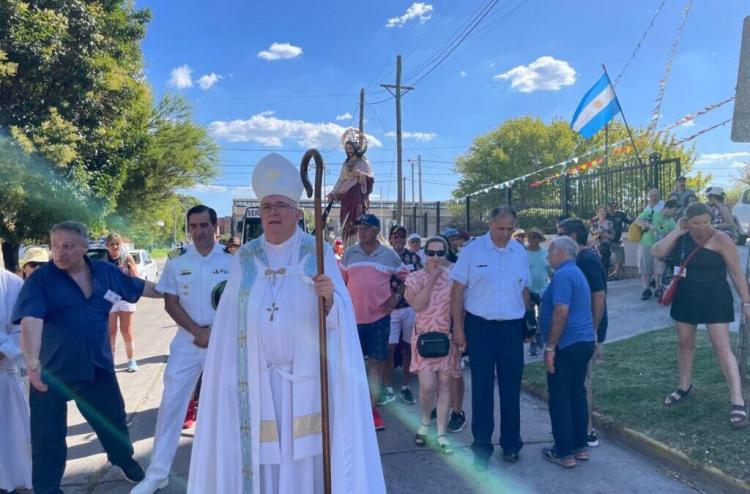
{"x": 307, "y": 425}
{"x": 268, "y": 431}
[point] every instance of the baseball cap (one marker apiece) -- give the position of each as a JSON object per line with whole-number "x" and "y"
{"x": 34, "y": 254}
{"x": 450, "y": 232}
{"x": 368, "y": 219}
{"x": 395, "y": 229}
{"x": 414, "y": 236}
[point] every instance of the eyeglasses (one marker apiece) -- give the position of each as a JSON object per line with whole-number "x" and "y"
{"x": 279, "y": 207}
{"x": 433, "y": 253}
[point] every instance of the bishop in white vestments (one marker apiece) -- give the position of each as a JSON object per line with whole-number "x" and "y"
{"x": 260, "y": 427}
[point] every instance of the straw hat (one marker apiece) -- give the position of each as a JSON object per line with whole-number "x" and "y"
{"x": 536, "y": 231}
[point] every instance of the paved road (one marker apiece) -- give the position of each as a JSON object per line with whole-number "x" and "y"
{"x": 613, "y": 468}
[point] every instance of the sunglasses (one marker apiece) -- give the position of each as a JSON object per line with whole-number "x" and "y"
{"x": 33, "y": 264}
{"x": 432, "y": 253}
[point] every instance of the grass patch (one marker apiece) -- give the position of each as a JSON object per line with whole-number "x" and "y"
{"x": 160, "y": 253}
{"x": 633, "y": 378}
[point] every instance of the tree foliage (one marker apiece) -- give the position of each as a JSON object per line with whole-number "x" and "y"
{"x": 523, "y": 145}
{"x": 82, "y": 133}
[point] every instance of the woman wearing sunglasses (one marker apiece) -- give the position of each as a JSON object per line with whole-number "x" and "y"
{"x": 32, "y": 258}
{"x": 428, "y": 292}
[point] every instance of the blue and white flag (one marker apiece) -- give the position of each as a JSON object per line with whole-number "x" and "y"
{"x": 596, "y": 108}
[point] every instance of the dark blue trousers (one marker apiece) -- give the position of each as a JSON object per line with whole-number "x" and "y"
{"x": 495, "y": 347}
{"x": 568, "y": 410}
{"x": 100, "y": 403}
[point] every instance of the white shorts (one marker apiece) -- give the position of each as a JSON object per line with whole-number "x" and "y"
{"x": 122, "y": 306}
{"x": 402, "y": 323}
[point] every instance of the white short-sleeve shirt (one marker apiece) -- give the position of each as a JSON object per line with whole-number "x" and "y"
{"x": 193, "y": 278}
{"x": 494, "y": 278}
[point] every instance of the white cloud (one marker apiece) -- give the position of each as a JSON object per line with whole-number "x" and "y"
{"x": 268, "y": 130}
{"x": 181, "y": 77}
{"x": 243, "y": 191}
{"x": 344, "y": 116}
{"x": 206, "y": 188}
{"x": 280, "y": 51}
{"x": 418, "y": 10}
{"x": 689, "y": 123}
{"x": 417, "y": 136}
{"x": 207, "y": 81}
{"x": 545, "y": 73}
{"x": 740, "y": 164}
{"x": 711, "y": 157}
{"x": 463, "y": 73}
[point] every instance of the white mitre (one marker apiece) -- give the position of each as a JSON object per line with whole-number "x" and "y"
{"x": 276, "y": 175}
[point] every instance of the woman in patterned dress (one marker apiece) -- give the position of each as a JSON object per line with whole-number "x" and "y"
{"x": 428, "y": 292}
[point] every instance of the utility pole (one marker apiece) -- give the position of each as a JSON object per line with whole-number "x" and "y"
{"x": 421, "y": 204}
{"x": 413, "y": 200}
{"x": 361, "y": 111}
{"x": 396, "y": 91}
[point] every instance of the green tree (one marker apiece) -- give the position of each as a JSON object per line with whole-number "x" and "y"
{"x": 80, "y": 113}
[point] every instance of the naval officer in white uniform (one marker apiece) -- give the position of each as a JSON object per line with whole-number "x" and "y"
{"x": 192, "y": 283}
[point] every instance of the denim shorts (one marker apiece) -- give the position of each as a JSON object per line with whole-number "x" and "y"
{"x": 373, "y": 337}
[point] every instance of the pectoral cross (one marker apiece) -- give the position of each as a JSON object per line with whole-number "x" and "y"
{"x": 272, "y": 310}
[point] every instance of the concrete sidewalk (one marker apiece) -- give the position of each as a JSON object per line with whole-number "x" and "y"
{"x": 613, "y": 469}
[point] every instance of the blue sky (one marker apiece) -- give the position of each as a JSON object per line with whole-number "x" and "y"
{"x": 268, "y": 76}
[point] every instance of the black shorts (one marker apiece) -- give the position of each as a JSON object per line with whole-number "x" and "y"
{"x": 373, "y": 337}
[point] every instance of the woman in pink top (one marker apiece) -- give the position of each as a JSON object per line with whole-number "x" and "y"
{"x": 428, "y": 292}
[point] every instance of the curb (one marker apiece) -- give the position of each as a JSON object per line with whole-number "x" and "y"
{"x": 645, "y": 444}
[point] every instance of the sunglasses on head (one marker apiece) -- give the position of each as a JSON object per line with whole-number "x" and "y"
{"x": 432, "y": 253}
{"x": 33, "y": 264}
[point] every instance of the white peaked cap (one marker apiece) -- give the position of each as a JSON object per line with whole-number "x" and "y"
{"x": 276, "y": 175}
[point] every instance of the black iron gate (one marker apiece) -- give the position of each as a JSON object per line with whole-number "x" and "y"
{"x": 540, "y": 202}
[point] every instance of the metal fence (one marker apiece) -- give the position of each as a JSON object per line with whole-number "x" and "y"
{"x": 540, "y": 203}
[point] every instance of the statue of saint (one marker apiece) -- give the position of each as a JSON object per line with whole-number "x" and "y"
{"x": 354, "y": 185}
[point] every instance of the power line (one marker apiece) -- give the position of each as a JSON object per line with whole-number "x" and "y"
{"x": 482, "y": 9}
{"x": 640, "y": 42}
{"x": 439, "y": 62}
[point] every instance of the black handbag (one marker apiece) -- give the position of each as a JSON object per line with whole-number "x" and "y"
{"x": 433, "y": 344}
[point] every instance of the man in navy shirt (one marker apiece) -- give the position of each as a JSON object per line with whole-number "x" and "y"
{"x": 568, "y": 329}
{"x": 63, "y": 309}
{"x": 593, "y": 269}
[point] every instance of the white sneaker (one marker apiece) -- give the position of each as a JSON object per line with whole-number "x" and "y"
{"x": 132, "y": 365}
{"x": 149, "y": 486}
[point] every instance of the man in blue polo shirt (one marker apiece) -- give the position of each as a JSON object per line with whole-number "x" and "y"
{"x": 567, "y": 326}
{"x": 63, "y": 309}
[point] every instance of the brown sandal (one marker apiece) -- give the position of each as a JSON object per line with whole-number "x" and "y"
{"x": 738, "y": 416}
{"x": 677, "y": 396}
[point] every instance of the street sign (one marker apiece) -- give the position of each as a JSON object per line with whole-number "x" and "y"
{"x": 741, "y": 118}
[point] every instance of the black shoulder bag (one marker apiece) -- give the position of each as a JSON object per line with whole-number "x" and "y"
{"x": 433, "y": 344}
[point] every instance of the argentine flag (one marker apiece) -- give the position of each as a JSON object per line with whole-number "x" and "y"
{"x": 596, "y": 108}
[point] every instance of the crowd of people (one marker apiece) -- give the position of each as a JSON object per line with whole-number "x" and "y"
{"x": 427, "y": 306}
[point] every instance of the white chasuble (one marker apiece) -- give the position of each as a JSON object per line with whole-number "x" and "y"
{"x": 260, "y": 427}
